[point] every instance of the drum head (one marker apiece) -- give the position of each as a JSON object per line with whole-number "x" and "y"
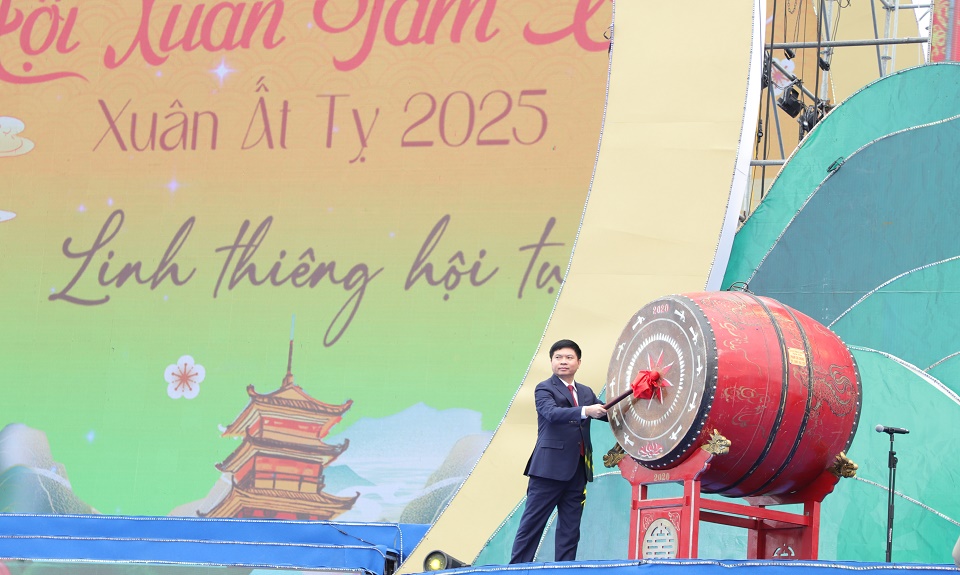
{"x": 673, "y": 337}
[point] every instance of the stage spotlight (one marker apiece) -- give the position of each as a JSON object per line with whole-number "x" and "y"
{"x": 823, "y": 63}
{"x": 439, "y": 561}
{"x": 809, "y": 118}
{"x": 765, "y": 77}
{"x": 790, "y": 54}
{"x": 790, "y": 102}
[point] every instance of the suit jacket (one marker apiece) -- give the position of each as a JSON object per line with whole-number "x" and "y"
{"x": 560, "y": 431}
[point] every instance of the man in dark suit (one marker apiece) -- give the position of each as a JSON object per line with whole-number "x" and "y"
{"x": 561, "y": 463}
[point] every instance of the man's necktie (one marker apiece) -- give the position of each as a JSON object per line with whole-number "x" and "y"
{"x": 573, "y": 393}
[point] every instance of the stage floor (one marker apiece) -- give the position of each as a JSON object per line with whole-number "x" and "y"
{"x": 112, "y": 545}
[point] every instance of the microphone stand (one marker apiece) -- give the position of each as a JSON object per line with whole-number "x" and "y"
{"x": 892, "y": 481}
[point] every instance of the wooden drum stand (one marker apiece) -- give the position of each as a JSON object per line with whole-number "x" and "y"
{"x": 669, "y": 528}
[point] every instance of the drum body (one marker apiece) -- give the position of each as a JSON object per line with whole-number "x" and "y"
{"x": 779, "y": 385}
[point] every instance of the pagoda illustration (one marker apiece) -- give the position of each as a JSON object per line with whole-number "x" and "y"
{"x": 277, "y": 471}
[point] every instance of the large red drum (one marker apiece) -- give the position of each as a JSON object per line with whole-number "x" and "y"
{"x": 780, "y": 386}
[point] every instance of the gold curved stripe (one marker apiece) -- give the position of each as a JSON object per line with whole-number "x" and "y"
{"x": 676, "y": 107}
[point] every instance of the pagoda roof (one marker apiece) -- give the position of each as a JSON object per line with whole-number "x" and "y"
{"x": 291, "y": 401}
{"x": 321, "y": 504}
{"x": 321, "y": 453}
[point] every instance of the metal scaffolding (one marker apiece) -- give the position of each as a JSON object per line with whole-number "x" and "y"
{"x": 801, "y": 90}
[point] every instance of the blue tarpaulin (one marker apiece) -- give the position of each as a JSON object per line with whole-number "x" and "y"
{"x": 365, "y": 547}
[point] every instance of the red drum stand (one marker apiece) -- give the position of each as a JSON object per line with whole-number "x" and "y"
{"x": 669, "y": 528}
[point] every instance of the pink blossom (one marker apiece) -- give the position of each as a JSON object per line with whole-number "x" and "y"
{"x": 184, "y": 377}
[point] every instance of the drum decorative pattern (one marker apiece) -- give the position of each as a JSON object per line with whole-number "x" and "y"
{"x": 779, "y": 385}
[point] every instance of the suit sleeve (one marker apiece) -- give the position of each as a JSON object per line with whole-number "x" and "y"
{"x": 594, "y": 400}
{"x": 549, "y": 408}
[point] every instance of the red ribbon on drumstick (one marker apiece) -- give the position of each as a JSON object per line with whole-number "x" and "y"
{"x": 644, "y": 386}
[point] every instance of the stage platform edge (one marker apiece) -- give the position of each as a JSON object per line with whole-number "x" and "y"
{"x": 374, "y": 548}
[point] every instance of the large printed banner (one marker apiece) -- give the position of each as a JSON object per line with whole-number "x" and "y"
{"x": 943, "y": 32}
{"x": 280, "y": 258}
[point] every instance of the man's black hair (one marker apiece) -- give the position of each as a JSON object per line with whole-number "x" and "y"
{"x": 565, "y": 343}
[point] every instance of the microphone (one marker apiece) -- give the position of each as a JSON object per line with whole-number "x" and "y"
{"x": 891, "y": 430}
